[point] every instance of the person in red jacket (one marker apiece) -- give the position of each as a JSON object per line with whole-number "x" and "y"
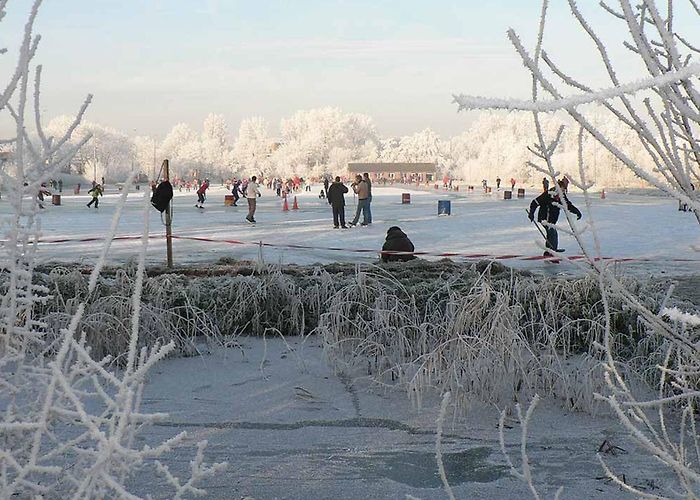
{"x": 202, "y": 194}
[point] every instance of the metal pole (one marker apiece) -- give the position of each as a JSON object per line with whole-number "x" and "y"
{"x": 168, "y": 218}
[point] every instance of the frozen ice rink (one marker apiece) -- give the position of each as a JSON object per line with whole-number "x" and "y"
{"x": 630, "y": 226}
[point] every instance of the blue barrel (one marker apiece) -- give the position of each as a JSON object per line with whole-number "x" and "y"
{"x": 444, "y": 207}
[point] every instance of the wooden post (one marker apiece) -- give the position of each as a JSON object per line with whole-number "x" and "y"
{"x": 168, "y": 218}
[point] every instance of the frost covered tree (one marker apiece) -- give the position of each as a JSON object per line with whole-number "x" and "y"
{"x": 70, "y": 422}
{"x": 216, "y": 144}
{"x": 309, "y": 137}
{"x": 109, "y": 152}
{"x": 183, "y": 147}
{"x": 662, "y": 109}
{"x": 252, "y": 148}
{"x": 496, "y": 144}
{"x": 146, "y": 155}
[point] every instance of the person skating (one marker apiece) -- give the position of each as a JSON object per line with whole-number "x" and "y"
{"x": 545, "y": 184}
{"x": 43, "y": 191}
{"x": 498, "y": 183}
{"x": 512, "y": 184}
{"x": 326, "y": 183}
{"x": 202, "y": 194}
{"x": 252, "y": 193}
{"x": 366, "y": 178}
{"x": 397, "y": 241}
{"x": 362, "y": 190}
{"x": 549, "y": 204}
{"x": 95, "y": 192}
{"x": 236, "y": 192}
{"x": 336, "y": 199}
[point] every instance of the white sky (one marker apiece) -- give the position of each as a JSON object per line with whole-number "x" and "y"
{"x": 152, "y": 64}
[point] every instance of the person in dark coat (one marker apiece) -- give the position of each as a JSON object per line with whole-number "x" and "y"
{"x": 336, "y": 199}
{"x": 397, "y": 241}
{"x": 326, "y": 183}
{"x": 236, "y": 192}
{"x": 549, "y": 204}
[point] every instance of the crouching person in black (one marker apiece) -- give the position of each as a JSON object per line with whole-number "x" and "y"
{"x": 397, "y": 241}
{"x": 550, "y": 204}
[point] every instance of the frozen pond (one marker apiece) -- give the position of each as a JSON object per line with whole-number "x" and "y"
{"x": 649, "y": 228}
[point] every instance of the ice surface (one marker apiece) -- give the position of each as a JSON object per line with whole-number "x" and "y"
{"x": 292, "y": 428}
{"x": 630, "y": 226}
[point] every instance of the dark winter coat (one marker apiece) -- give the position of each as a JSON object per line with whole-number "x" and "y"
{"x": 336, "y": 194}
{"x": 397, "y": 241}
{"x": 549, "y": 204}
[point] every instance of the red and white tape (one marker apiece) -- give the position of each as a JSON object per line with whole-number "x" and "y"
{"x": 468, "y": 256}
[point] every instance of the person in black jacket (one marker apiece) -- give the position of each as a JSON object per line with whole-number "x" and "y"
{"x": 397, "y": 241}
{"x": 336, "y": 199}
{"x": 236, "y": 192}
{"x": 549, "y": 204}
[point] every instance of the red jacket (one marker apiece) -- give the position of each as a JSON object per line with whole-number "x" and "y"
{"x": 203, "y": 188}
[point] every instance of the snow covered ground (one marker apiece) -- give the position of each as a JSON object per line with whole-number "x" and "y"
{"x": 291, "y": 428}
{"x": 631, "y": 226}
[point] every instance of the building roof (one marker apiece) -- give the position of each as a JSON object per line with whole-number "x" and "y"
{"x": 408, "y": 168}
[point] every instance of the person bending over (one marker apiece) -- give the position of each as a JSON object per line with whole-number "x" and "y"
{"x": 397, "y": 241}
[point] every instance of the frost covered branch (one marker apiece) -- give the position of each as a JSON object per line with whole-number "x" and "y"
{"x": 71, "y": 419}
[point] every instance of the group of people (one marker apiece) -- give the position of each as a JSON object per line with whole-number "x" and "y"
{"x": 335, "y": 193}
{"x": 248, "y": 189}
{"x": 485, "y": 184}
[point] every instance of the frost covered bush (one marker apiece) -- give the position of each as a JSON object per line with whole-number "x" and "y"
{"x": 495, "y": 336}
{"x": 107, "y": 309}
{"x": 662, "y": 108}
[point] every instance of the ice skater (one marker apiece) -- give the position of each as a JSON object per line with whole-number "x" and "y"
{"x": 40, "y": 195}
{"x": 202, "y": 194}
{"x": 336, "y": 199}
{"x": 236, "y": 192}
{"x": 95, "y": 192}
{"x": 498, "y": 183}
{"x": 252, "y": 193}
{"x": 549, "y": 204}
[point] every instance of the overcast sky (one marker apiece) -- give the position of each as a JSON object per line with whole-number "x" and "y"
{"x": 153, "y": 63}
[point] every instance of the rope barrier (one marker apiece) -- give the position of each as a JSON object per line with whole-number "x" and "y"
{"x": 470, "y": 256}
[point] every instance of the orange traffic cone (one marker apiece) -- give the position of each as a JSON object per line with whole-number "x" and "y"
{"x": 602, "y": 194}
{"x": 295, "y": 205}
{"x": 285, "y": 205}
